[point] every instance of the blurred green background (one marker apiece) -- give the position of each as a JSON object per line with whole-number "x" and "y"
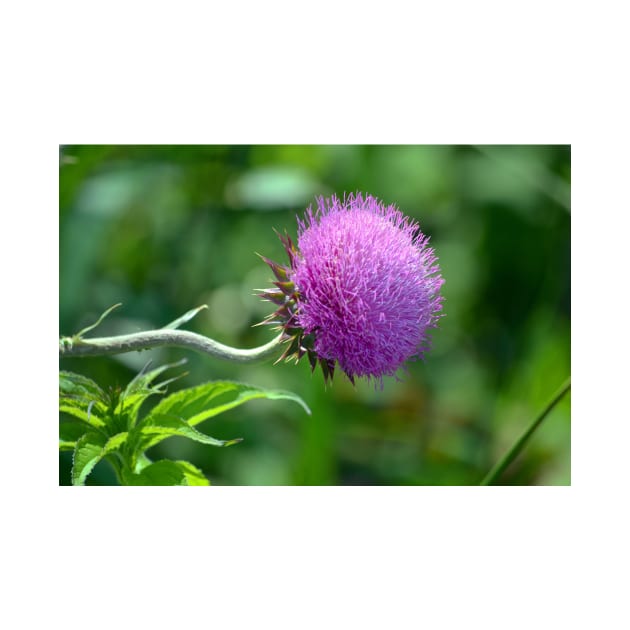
{"x": 163, "y": 229}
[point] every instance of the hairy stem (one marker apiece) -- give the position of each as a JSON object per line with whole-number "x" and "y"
{"x": 509, "y": 457}
{"x": 101, "y": 346}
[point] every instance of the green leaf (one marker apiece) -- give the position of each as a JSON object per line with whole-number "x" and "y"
{"x": 70, "y": 433}
{"x": 158, "y": 427}
{"x": 82, "y": 398}
{"x": 141, "y": 462}
{"x": 140, "y": 388}
{"x": 186, "y": 317}
{"x": 85, "y": 413}
{"x": 142, "y": 381}
{"x": 100, "y": 319}
{"x": 193, "y": 475}
{"x": 77, "y": 385}
{"x": 167, "y": 473}
{"x": 87, "y": 453}
{"x": 115, "y": 441}
{"x": 196, "y": 404}
{"x": 89, "y": 450}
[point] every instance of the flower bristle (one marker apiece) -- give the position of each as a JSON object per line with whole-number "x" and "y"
{"x": 361, "y": 289}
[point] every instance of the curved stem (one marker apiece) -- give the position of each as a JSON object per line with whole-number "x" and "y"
{"x": 509, "y": 457}
{"x": 79, "y": 347}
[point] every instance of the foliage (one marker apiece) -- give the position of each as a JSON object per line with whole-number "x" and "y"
{"x": 106, "y": 424}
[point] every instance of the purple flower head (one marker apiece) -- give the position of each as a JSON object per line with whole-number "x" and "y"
{"x": 362, "y": 288}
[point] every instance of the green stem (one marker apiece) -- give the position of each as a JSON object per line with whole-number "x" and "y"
{"x": 509, "y": 457}
{"x": 79, "y": 347}
{"x": 116, "y": 461}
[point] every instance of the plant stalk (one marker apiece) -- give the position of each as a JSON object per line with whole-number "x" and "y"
{"x": 102, "y": 346}
{"x": 509, "y": 457}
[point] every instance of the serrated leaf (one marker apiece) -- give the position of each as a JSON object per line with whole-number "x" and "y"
{"x": 89, "y": 450}
{"x": 77, "y": 385}
{"x": 82, "y": 398}
{"x": 140, "y": 388}
{"x": 115, "y": 441}
{"x": 87, "y": 454}
{"x": 196, "y": 404}
{"x": 167, "y": 473}
{"x": 144, "y": 379}
{"x": 81, "y": 412}
{"x": 193, "y": 475}
{"x": 158, "y": 427}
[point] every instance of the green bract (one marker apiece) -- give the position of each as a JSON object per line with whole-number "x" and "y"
{"x": 284, "y": 319}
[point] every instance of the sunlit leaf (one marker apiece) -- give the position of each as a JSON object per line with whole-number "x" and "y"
{"x": 141, "y": 387}
{"x": 196, "y": 404}
{"x": 193, "y": 475}
{"x": 82, "y": 398}
{"x": 89, "y": 450}
{"x": 87, "y": 453}
{"x": 158, "y": 427}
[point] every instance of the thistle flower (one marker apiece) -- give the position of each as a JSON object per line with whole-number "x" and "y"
{"x": 361, "y": 288}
